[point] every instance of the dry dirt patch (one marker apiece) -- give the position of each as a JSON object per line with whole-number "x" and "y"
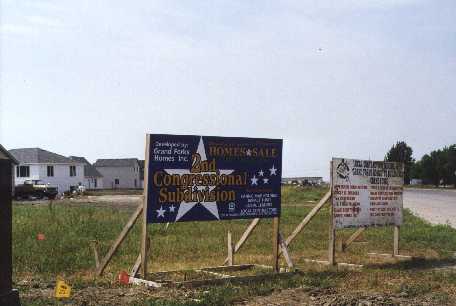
{"x": 329, "y": 297}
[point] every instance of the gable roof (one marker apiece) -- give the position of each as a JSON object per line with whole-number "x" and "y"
{"x": 8, "y": 155}
{"x": 89, "y": 170}
{"x": 39, "y": 156}
{"x": 117, "y": 162}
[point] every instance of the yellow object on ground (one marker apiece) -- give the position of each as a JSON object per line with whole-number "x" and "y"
{"x": 62, "y": 289}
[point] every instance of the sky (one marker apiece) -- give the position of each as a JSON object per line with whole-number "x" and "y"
{"x": 339, "y": 78}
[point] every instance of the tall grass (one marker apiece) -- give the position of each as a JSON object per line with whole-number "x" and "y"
{"x": 69, "y": 231}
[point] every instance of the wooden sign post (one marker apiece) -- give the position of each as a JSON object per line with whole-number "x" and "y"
{"x": 396, "y": 241}
{"x": 144, "y": 238}
{"x": 275, "y": 243}
{"x": 332, "y": 229}
{"x": 8, "y": 296}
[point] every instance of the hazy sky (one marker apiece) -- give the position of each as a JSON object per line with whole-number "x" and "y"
{"x": 332, "y": 78}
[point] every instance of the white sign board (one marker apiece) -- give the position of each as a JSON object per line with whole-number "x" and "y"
{"x": 366, "y": 193}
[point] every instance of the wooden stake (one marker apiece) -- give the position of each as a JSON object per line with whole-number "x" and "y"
{"x": 244, "y": 237}
{"x": 144, "y": 252}
{"x": 275, "y": 243}
{"x": 285, "y": 253}
{"x": 396, "y": 241}
{"x": 119, "y": 240}
{"x": 230, "y": 250}
{"x": 134, "y": 270}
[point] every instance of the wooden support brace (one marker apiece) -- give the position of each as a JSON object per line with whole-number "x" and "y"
{"x": 119, "y": 240}
{"x": 244, "y": 237}
{"x": 134, "y": 270}
{"x": 285, "y": 253}
{"x": 340, "y": 265}
{"x": 391, "y": 256}
{"x": 230, "y": 250}
{"x": 309, "y": 217}
{"x": 95, "y": 253}
{"x": 220, "y": 275}
{"x": 352, "y": 238}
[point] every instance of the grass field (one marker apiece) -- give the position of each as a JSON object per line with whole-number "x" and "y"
{"x": 69, "y": 231}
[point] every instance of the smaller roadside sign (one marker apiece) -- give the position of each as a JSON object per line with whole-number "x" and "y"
{"x": 366, "y": 193}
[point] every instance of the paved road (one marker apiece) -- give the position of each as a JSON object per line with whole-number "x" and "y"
{"x": 436, "y": 206}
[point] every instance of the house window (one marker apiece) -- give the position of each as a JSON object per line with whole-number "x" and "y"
{"x": 116, "y": 181}
{"x": 72, "y": 170}
{"x": 23, "y": 171}
{"x": 136, "y": 183}
{"x": 50, "y": 170}
{"x": 95, "y": 182}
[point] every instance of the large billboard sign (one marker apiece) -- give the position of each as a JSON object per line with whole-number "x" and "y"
{"x": 202, "y": 178}
{"x": 366, "y": 193}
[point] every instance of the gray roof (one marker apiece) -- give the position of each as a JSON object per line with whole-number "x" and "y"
{"x": 8, "y": 154}
{"x": 89, "y": 170}
{"x": 117, "y": 162}
{"x": 39, "y": 156}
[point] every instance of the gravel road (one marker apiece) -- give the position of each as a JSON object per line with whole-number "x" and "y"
{"x": 436, "y": 206}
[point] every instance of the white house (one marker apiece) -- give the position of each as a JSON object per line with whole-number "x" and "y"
{"x": 142, "y": 163}
{"x": 92, "y": 177}
{"x": 122, "y": 173}
{"x": 48, "y": 167}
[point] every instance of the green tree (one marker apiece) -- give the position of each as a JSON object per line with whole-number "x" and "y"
{"x": 429, "y": 170}
{"x": 449, "y": 165}
{"x": 416, "y": 172}
{"x": 401, "y": 152}
{"x": 437, "y": 167}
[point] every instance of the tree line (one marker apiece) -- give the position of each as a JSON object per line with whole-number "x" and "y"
{"x": 436, "y": 168}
